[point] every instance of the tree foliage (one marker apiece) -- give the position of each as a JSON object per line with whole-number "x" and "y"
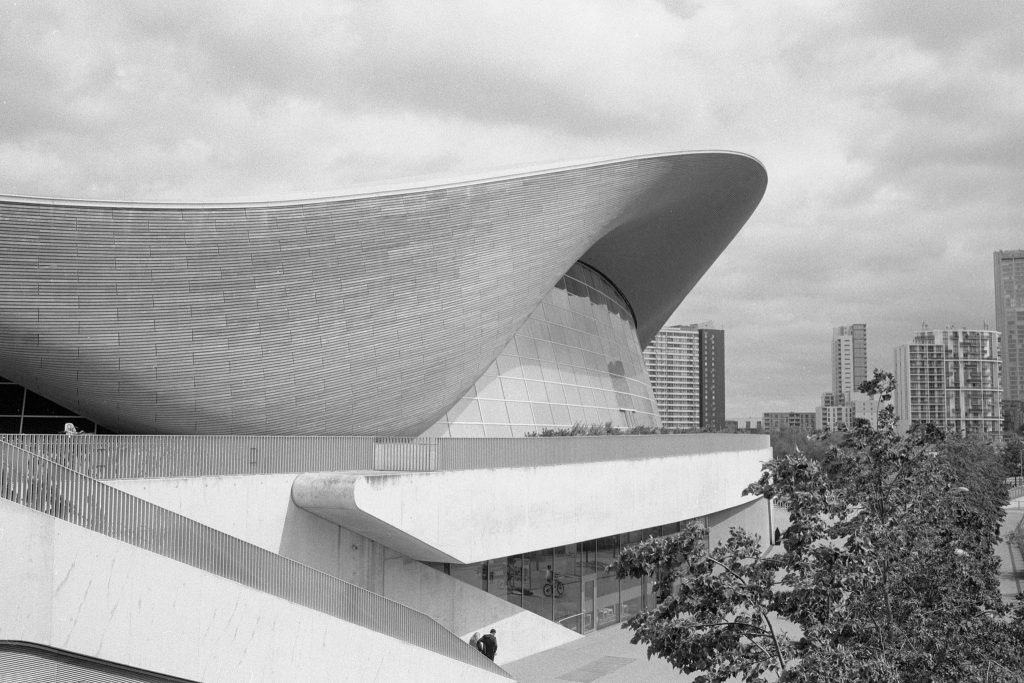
{"x": 792, "y": 440}
{"x": 1013, "y": 456}
{"x": 608, "y": 429}
{"x": 889, "y": 571}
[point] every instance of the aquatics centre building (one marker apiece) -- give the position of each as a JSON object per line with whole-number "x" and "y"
{"x": 303, "y": 420}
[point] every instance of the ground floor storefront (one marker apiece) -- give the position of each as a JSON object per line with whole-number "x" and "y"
{"x": 570, "y": 584}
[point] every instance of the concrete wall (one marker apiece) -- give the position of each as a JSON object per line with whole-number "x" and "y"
{"x": 84, "y": 592}
{"x": 259, "y": 509}
{"x": 438, "y": 516}
{"x": 465, "y": 609}
{"x": 524, "y": 509}
{"x": 752, "y": 516}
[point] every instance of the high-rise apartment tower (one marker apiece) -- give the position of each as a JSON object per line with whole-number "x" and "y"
{"x": 849, "y": 370}
{"x": 849, "y": 358}
{"x": 1009, "y": 285}
{"x": 712, "y": 378}
{"x": 686, "y": 367}
{"x": 950, "y": 378}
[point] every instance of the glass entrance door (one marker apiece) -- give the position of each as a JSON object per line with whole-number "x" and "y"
{"x": 589, "y": 603}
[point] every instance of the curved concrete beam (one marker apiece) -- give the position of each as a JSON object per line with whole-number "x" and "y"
{"x": 441, "y": 516}
{"x": 369, "y": 314}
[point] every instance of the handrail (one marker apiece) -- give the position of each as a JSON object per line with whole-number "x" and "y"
{"x": 571, "y": 616}
{"x": 127, "y": 456}
{"x": 55, "y": 490}
{"x": 133, "y": 456}
{"x": 25, "y": 661}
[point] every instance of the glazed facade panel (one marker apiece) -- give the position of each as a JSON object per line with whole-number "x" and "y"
{"x": 577, "y": 360}
{"x": 25, "y": 412}
{"x": 570, "y": 584}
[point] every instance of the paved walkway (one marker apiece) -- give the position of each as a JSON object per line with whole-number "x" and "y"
{"x": 605, "y": 656}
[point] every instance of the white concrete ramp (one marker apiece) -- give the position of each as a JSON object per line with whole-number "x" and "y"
{"x": 81, "y": 591}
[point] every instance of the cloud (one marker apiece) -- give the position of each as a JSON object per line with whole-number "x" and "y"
{"x": 889, "y": 131}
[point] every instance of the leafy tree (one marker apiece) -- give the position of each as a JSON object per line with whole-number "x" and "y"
{"x": 792, "y": 440}
{"x": 889, "y": 571}
{"x": 1013, "y": 456}
{"x": 789, "y": 440}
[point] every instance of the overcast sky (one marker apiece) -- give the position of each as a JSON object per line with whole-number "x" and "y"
{"x": 892, "y": 132}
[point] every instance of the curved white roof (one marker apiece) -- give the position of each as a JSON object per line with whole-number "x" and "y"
{"x": 366, "y": 314}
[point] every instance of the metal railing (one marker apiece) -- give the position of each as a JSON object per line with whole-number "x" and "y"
{"x": 133, "y": 456}
{"x": 52, "y": 489}
{"x": 116, "y": 456}
{"x": 23, "y": 661}
{"x": 405, "y": 455}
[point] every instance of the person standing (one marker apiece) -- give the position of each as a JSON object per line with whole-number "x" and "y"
{"x": 489, "y": 644}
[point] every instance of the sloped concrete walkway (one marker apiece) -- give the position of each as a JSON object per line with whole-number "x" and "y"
{"x": 605, "y": 656}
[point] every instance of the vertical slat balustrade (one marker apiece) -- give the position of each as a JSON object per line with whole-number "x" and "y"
{"x": 405, "y": 454}
{"x": 127, "y": 456}
{"x": 114, "y": 456}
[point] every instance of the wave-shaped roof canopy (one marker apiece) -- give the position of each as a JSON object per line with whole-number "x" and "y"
{"x": 367, "y": 314}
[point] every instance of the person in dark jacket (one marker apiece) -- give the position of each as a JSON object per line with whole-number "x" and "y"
{"x": 488, "y": 644}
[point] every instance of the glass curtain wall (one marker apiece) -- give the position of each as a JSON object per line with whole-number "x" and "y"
{"x": 538, "y": 595}
{"x": 631, "y": 590}
{"x": 26, "y": 412}
{"x": 566, "y": 588}
{"x": 607, "y": 583}
{"x": 576, "y": 360}
{"x": 570, "y": 584}
{"x": 474, "y": 574}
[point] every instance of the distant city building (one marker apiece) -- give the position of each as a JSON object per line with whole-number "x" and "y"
{"x": 673, "y": 367}
{"x": 776, "y": 422}
{"x": 950, "y": 378}
{"x": 1013, "y": 416}
{"x": 744, "y": 426}
{"x": 686, "y": 368}
{"x": 1009, "y": 286}
{"x": 835, "y": 414}
{"x": 840, "y": 407}
{"x": 849, "y": 358}
{"x": 832, "y": 417}
{"x": 712, "y": 378}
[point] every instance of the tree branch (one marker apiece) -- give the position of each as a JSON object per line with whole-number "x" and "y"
{"x": 761, "y": 612}
{"x": 754, "y": 642}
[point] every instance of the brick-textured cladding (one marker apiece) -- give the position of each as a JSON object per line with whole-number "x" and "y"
{"x": 360, "y": 315}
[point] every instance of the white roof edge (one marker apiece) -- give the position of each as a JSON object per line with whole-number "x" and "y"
{"x": 371, "y": 191}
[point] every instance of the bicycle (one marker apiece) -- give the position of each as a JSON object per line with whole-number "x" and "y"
{"x": 556, "y": 588}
